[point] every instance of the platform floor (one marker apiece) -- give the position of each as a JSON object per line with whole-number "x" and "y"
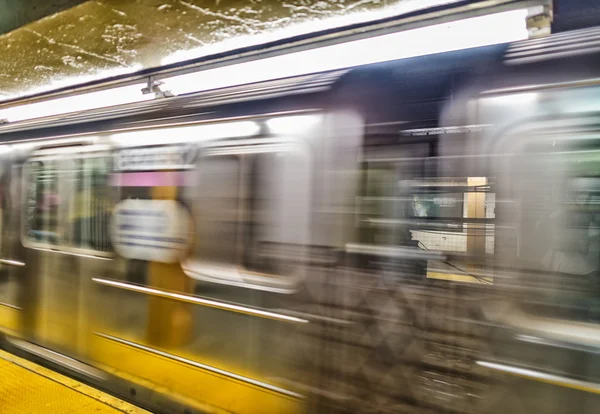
{"x": 26, "y": 387}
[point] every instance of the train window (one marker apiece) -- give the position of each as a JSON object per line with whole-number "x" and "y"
{"x": 454, "y": 215}
{"x": 91, "y": 205}
{"x": 250, "y": 209}
{"x": 278, "y": 190}
{"x": 217, "y": 209}
{"x": 459, "y": 215}
{"x": 67, "y": 204}
{"x": 553, "y": 181}
{"x": 43, "y": 201}
{"x": 262, "y": 209}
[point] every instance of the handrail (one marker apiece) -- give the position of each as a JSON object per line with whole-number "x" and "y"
{"x": 196, "y": 300}
{"x": 200, "y": 365}
{"x": 393, "y": 252}
{"x": 11, "y": 262}
{"x": 540, "y": 376}
{"x": 10, "y": 306}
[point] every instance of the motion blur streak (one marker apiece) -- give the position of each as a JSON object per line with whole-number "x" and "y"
{"x": 186, "y": 134}
{"x": 203, "y": 302}
{"x": 296, "y": 124}
{"x": 543, "y": 377}
{"x": 419, "y": 235}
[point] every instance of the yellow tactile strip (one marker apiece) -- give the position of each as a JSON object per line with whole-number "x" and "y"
{"x": 26, "y": 387}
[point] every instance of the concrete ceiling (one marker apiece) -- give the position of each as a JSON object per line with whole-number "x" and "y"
{"x": 100, "y": 38}
{"x": 17, "y": 13}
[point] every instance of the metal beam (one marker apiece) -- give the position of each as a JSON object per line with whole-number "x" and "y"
{"x": 436, "y": 15}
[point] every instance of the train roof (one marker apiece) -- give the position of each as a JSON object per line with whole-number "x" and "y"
{"x": 410, "y": 91}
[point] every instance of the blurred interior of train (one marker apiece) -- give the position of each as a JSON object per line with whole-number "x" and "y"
{"x": 418, "y": 235}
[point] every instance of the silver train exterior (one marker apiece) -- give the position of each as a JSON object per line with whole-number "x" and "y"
{"x": 412, "y": 236}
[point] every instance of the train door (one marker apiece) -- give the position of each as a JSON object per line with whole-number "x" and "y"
{"x": 251, "y": 206}
{"x": 11, "y": 260}
{"x": 422, "y": 236}
{"x": 211, "y": 231}
{"x": 547, "y": 168}
{"x": 64, "y": 230}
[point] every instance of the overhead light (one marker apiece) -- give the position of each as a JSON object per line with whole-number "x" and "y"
{"x": 185, "y": 134}
{"x": 294, "y": 124}
{"x": 351, "y": 15}
{"x": 67, "y": 81}
{"x": 474, "y": 32}
{"x": 463, "y": 34}
{"x": 77, "y": 103}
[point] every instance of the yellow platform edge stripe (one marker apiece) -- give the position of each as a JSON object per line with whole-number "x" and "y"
{"x": 543, "y": 377}
{"x": 76, "y": 386}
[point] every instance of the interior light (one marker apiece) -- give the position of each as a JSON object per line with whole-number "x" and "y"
{"x": 77, "y": 103}
{"x": 186, "y": 134}
{"x": 474, "y": 32}
{"x": 58, "y": 142}
{"x": 293, "y": 125}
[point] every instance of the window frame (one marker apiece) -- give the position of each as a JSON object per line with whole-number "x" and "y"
{"x": 511, "y": 144}
{"x": 236, "y": 273}
{"x": 60, "y": 154}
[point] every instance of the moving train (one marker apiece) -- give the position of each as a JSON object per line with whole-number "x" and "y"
{"x": 417, "y": 235}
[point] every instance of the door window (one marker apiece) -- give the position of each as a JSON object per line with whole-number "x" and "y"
{"x": 67, "y": 201}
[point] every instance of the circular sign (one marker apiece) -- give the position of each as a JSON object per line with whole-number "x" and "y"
{"x": 152, "y": 230}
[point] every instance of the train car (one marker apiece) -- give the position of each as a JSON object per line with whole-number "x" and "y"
{"x": 410, "y": 236}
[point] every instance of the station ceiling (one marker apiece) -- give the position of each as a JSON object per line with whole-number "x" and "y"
{"x": 48, "y": 44}
{"x": 17, "y": 13}
{"x": 100, "y": 38}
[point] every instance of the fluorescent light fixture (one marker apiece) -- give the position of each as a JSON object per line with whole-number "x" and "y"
{"x": 67, "y": 81}
{"x": 293, "y": 125}
{"x": 463, "y": 34}
{"x": 349, "y": 15}
{"x": 77, "y": 103}
{"x": 478, "y": 31}
{"x": 184, "y": 134}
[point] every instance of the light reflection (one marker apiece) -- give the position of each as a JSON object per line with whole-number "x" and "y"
{"x": 291, "y": 125}
{"x": 310, "y": 26}
{"x": 186, "y": 134}
{"x": 77, "y": 103}
{"x": 493, "y": 29}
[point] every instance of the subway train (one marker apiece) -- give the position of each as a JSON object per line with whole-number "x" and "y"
{"x": 412, "y": 236}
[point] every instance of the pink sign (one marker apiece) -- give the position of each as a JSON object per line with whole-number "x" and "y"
{"x": 149, "y": 179}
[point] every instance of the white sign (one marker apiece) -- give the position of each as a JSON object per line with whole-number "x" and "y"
{"x": 152, "y": 230}
{"x": 168, "y": 157}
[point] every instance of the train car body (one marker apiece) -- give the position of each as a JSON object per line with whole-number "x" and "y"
{"x": 411, "y": 236}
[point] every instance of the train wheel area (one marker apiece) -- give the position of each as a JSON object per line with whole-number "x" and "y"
{"x": 27, "y": 387}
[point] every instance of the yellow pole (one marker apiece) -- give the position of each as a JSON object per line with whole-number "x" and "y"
{"x": 170, "y": 322}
